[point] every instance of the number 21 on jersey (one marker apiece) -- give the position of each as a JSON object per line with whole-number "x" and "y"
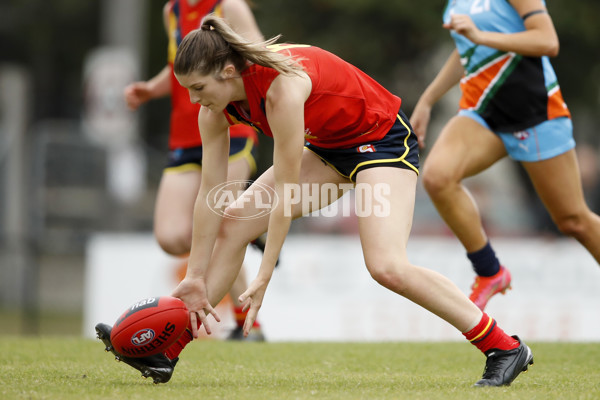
{"x": 479, "y": 6}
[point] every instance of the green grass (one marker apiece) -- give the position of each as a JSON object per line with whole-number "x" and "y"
{"x": 73, "y": 368}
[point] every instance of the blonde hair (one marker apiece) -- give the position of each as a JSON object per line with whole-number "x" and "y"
{"x": 208, "y": 49}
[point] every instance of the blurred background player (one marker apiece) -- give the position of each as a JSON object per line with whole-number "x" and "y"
{"x": 511, "y": 105}
{"x": 181, "y": 178}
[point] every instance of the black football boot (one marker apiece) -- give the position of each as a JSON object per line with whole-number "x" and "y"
{"x": 503, "y": 366}
{"x": 158, "y": 367}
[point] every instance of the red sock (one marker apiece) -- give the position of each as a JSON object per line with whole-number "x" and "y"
{"x": 177, "y": 347}
{"x": 240, "y": 317}
{"x": 487, "y": 335}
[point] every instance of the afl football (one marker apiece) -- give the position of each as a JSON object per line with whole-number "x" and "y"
{"x": 150, "y": 326}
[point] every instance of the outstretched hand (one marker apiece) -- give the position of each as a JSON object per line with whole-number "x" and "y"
{"x": 136, "y": 94}
{"x": 193, "y": 293}
{"x": 251, "y": 300}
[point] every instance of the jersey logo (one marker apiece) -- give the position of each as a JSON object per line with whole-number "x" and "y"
{"x": 366, "y": 148}
{"x": 308, "y": 134}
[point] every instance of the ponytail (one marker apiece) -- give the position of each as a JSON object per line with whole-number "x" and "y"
{"x": 208, "y": 49}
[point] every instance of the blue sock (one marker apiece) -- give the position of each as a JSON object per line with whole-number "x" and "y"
{"x": 485, "y": 262}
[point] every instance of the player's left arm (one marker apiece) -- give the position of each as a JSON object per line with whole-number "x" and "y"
{"x": 538, "y": 39}
{"x": 285, "y": 114}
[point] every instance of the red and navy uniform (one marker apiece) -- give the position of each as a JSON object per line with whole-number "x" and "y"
{"x": 350, "y": 121}
{"x": 346, "y": 106}
{"x": 184, "y": 132}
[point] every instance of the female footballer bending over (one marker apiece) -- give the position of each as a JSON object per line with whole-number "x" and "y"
{"x": 298, "y": 94}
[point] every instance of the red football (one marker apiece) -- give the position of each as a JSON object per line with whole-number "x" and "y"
{"x": 149, "y": 326}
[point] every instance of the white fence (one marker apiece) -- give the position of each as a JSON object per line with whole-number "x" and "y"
{"x": 323, "y": 292}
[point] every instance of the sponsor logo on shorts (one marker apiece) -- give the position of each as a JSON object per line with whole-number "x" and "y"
{"x": 521, "y": 135}
{"x": 366, "y": 148}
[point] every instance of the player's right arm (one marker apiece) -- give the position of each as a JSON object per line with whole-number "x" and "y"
{"x": 538, "y": 39}
{"x": 138, "y": 93}
{"x": 206, "y": 222}
{"x": 448, "y": 77}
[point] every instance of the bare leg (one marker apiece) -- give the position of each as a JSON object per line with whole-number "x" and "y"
{"x": 236, "y": 233}
{"x": 384, "y": 236}
{"x": 384, "y": 240}
{"x": 238, "y": 170}
{"x": 175, "y": 207}
{"x": 463, "y": 149}
{"x": 558, "y": 183}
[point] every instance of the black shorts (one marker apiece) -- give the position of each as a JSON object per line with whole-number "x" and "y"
{"x": 186, "y": 159}
{"x": 398, "y": 148}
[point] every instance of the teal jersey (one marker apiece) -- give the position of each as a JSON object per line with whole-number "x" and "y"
{"x": 509, "y": 91}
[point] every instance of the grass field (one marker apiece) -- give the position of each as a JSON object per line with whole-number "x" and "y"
{"x": 74, "y": 368}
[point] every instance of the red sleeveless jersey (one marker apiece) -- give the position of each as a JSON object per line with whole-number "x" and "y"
{"x": 346, "y": 107}
{"x": 184, "y": 132}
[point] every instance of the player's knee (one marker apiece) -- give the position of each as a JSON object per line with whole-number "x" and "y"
{"x": 572, "y": 225}
{"x": 389, "y": 275}
{"x": 434, "y": 179}
{"x": 232, "y": 229}
{"x": 175, "y": 243}
{"x": 234, "y": 214}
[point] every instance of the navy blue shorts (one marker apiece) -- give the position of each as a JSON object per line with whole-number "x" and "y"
{"x": 398, "y": 148}
{"x": 186, "y": 159}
